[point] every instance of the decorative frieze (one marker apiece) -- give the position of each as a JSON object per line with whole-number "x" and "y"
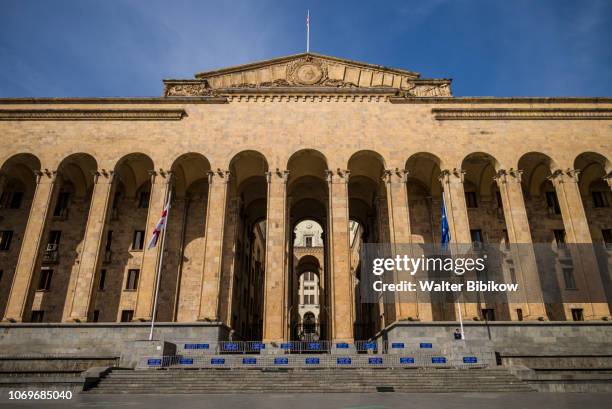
{"x": 188, "y": 88}
{"x": 90, "y": 114}
{"x": 442, "y": 114}
{"x": 305, "y": 75}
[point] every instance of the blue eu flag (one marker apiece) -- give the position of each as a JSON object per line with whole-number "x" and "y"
{"x": 445, "y": 229}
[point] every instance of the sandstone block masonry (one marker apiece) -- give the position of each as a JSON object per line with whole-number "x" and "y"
{"x": 83, "y": 182}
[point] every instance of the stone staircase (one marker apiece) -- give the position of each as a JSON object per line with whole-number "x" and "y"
{"x": 306, "y": 381}
{"x": 50, "y": 372}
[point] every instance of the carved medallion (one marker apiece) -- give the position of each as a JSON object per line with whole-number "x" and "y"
{"x": 306, "y": 72}
{"x": 309, "y": 74}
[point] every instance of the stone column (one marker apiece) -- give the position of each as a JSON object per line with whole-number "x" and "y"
{"x": 3, "y": 179}
{"x": 340, "y": 257}
{"x": 578, "y": 235}
{"x": 27, "y": 263}
{"x": 608, "y": 179}
{"x": 213, "y": 249}
{"x": 228, "y": 271}
{"x": 519, "y": 235}
{"x": 458, "y": 223}
{"x": 92, "y": 244}
{"x": 407, "y": 305}
{"x": 275, "y": 296}
{"x": 160, "y": 185}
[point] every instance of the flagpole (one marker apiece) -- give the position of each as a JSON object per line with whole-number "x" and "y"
{"x": 308, "y": 32}
{"x": 445, "y": 240}
{"x": 161, "y": 260}
{"x": 460, "y": 321}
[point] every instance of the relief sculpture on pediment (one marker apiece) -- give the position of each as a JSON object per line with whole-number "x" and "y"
{"x": 200, "y": 89}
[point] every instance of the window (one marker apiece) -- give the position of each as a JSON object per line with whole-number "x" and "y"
{"x": 96, "y": 315}
{"x": 138, "y": 240}
{"x": 559, "y": 237}
{"x": 519, "y": 314}
{"x": 599, "y": 199}
{"x": 488, "y": 314}
{"x": 102, "y": 279}
{"x": 476, "y": 237}
{"x": 37, "y": 316}
{"x": 577, "y": 314}
{"x": 127, "y": 315}
{"x": 117, "y": 199}
{"x": 498, "y": 197}
{"x": 568, "y": 277}
{"x": 16, "y": 199}
{"x": 308, "y": 241}
{"x": 470, "y": 200}
{"x": 5, "y": 239}
{"x": 11, "y": 200}
{"x": 61, "y": 206}
{"x": 109, "y": 239}
{"x": 132, "y": 279}
{"x": 607, "y": 237}
{"x": 506, "y": 238}
{"x": 553, "y": 203}
{"x": 143, "y": 200}
{"x": 54, "y": 239}
{"x": 44, "y": 284}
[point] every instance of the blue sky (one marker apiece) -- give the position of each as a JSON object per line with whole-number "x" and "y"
{"x": 125, "y": 47}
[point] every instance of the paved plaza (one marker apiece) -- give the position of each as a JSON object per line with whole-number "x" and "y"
{"x": 330, "y": 401}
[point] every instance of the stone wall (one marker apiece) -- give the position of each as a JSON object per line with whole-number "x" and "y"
{"x": 96, "y": 339}
{"x": 512, "y": 338}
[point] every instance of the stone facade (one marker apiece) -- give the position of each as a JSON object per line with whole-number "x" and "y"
{"x": 284, "y": 140}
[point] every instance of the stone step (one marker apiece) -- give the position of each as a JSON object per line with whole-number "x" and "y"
{"x": 146, "y": 391}
{"x": 296, "y": 381}
{"x": 317, "y": 382}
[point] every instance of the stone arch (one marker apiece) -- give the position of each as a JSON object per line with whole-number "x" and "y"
{"x": 185, "y": 239}
{"x": 593, "y": 168}
{"x": 480, "y": 168}
{"x": 128, "y": 212}
{"x": 425, "y": 167}
{"x": 18, "y": 179}
{"x": 537, "y": 167}
{"x": 252, "y": 163}
{"x": 368, "y": 164}
{"x": 307, "y": 162}
{"x": 244, "y": 244}
{"x": 62, "y": 238}
{"x": 78, "y": 169}
{"x": 133, "y": 170}
{"x": 308, "y": 262}
{"x": 189, "y": 168}
{"x": 21, "y": 170}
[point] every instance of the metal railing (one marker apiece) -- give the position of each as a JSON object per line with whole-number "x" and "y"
{"x": 455, "y": 360}
{"x": 195, "y": 347}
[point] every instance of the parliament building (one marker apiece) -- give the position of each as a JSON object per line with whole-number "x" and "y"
{"x": 356, "y": 152}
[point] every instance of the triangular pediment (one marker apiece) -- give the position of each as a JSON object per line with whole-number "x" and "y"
{"x": 307, "y": 71}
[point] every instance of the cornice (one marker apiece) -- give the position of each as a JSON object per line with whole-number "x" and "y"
{"x": 500, "y": 100}
{"x": 90, "y": 114}
{"x": 114, "y": 100}
{"x": 309, "y": 91}
{"x": 442, "y": 114}
{"x": 264, "y": 63}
